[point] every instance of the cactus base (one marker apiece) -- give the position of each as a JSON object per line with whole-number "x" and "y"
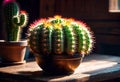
{"x": 58, "y": 64}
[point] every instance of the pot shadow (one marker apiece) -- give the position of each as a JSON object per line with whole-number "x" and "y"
{"x": 6, "y": 64}
{"x": 41, "y": 75}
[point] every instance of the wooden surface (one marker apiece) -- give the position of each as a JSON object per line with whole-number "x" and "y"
{"x": 94, "y": 68}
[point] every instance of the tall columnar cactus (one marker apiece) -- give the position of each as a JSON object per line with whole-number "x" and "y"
{"x": 14, "y": 19}
{"x": 59, "y": 35}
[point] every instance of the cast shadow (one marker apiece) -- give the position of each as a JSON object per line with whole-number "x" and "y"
{"x": 41, "y": 76}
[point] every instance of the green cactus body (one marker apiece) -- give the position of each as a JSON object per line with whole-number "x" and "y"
{"x": 60, "y": 36}
{"x": 57, "y": 41}
{"x": 13, "y": 20}
{"x": 69, "y": 40}
{"x": 35, "y": 39}
{"x": 46, "y": 40}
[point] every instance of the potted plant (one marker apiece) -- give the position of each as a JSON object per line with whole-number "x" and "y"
{"x": 12, "y": 49}
{"x": 59, "y": 44}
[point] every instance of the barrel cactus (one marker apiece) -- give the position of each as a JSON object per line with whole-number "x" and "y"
{"x": 60, "y": 36}
{"x": 14, "y": 20}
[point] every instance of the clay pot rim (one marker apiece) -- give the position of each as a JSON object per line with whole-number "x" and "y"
{"x": 21, "y": 42}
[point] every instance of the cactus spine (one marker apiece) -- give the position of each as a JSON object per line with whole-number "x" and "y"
{"x": 59, "y": 35}
{"x": 14, "y": 20}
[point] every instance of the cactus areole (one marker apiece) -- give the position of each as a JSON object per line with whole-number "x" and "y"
{"x": 13, "y": 20}
{"x": 57, "y": 36}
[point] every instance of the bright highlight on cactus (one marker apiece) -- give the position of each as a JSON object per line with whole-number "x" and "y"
{"x": 14, "y": 20}
{"x": 59, "y": 35}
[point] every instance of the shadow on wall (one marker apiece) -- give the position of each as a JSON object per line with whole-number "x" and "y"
{"x": 33, "y": 8}
{"x": 110, "y": 49}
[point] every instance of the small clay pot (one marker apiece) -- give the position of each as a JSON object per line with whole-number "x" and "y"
{"x": 13, "y": 52}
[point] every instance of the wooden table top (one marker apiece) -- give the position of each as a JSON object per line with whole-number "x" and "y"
{"x": 93, "y": 68}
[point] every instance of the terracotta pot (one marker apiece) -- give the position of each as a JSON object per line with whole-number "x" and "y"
{"x": 58, "y": 64}
{"x": 12, "y": 51}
